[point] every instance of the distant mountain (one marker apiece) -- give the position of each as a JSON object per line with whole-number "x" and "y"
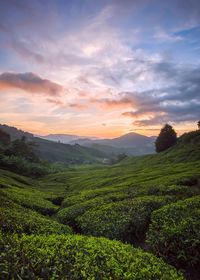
{"x": 53, "y": 147}
{"x": 129, "y": 140}
{"x": 59, "y": 152}
{"x": 65, "y": 138}
{"x": 131, "y": 144}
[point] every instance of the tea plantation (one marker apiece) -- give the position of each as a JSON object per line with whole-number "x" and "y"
{"x": 138, "y": 219}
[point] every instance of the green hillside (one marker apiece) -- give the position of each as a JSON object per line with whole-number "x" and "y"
{"x": 76, "y": 224}
{"x": 58, "y": 152}
{"x": 67, "y": 154}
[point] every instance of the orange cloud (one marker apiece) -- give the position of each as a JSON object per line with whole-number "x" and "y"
{"x": 64, "y": 105}
{"x": 113, "y": 103}
{"x": 29, "y": 82}
{"x": 139, "y": 115}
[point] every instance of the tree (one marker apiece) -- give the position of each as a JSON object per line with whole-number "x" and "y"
{"x": 4, "y": 138}
{"x": 166, "y": 138}
{"x": 198, "y": 124}
{"x": 22, "y": 148}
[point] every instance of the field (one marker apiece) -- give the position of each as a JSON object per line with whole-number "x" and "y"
{"x": 138, "y": 219}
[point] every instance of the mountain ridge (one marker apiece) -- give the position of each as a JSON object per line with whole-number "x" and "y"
{"x": 132, "y": 143}
{"x": 59, "y": 152}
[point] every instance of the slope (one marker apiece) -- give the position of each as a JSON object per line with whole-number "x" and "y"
{"x": 152, "y": 202}
{"x": 33, "y": 245}
{"x": 131, "y": 144}
{"x": 58, "y": 152}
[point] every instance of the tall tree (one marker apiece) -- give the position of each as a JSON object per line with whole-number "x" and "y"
{"x": 166, "y": 138}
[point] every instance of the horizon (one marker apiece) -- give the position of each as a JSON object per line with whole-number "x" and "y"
{"x": 181, "y": 132}
{"x": 100, "y": 69}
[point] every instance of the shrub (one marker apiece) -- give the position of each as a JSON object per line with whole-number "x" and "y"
{"x": 14, "y": 218}
{"x": 32, "y": 199}
{"x": 75, "y": 257}
{"x": 70, "y": 214}
{"x": 127, "y": 220}
{"x": 174, "y": 232}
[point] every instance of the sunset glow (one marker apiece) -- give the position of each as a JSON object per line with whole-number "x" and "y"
{"x": 99, "y": 68}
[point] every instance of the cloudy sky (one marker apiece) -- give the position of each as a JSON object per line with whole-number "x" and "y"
{"x": 99, "y": 68}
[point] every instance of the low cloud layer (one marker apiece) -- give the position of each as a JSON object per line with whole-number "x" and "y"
{"x": 29, "y": 82}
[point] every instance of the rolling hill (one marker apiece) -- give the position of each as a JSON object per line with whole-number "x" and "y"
{"x": 150, "y": 202}
{"x": 59, "y": 152}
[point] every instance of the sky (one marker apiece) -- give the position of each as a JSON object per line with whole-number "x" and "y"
{"x": 100, "y": 67}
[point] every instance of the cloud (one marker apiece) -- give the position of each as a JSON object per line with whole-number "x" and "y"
{"x": 106, "y": 55}
{"x": 163, "y": 36}
{"x": 29, "y": 82}
{"x": 64, "y": 105}
{"x": 56, "y": 102}
{"x": 78, "y": 106}
{"x": 178, "y": 102}
{"x": 112, "y": 103}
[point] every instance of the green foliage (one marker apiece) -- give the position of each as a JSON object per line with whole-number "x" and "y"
{"x": 15, "y": 218}
{"x": 70, "y": 214}
{"x": 127, "y": 220}
{"x": 22, "y": 148}
{"x": 166, "y": 139}
{"x": 174, "y": 232}
{"x": 67, "y": 154}
{"x": 22, "y": 166}
{"x": 32, "y": 199}
{"x": 77, "y": 257}
{"x": 53, "y": 152}
{"x": 118, "y": 202}
{"x": 76, "y": 205}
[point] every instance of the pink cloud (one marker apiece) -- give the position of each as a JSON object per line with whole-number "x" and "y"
{"x": 29, "y": 82}
{"x": 113, "y": 103}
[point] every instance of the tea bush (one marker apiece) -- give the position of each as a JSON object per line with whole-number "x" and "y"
{"x": 69, "y": 214}
{"x": 174, "y": 232}
{"x": 75, "y": 257}
{"x": 15, "y": 218}
{"x": 82, "y": 196}
{"x": 127, "y": 220}
{"x": 32, "y": 199}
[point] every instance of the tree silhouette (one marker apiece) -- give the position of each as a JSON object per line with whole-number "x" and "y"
{"x": 198, "y": 124}
{"x": 166, "y": 138}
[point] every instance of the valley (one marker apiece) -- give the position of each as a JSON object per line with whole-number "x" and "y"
{"x": 91, "y": 214}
